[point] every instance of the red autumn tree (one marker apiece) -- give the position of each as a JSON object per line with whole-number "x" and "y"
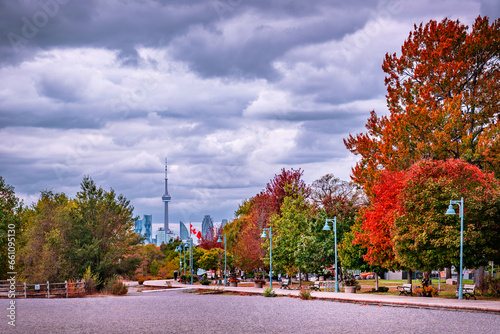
{"x": 442, "y": 95}
{"x": 288, "y": 183}
{"x": 378, "y": 221}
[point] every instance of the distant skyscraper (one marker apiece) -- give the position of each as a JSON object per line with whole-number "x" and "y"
{"x": 166, "y": 198}
{"x": 162, "y": 237}
{"x": 223, "y": 223}
{"x": 145, "y": 227}
{"x": 184, "y": 233}
{"x": 207, "y": 225}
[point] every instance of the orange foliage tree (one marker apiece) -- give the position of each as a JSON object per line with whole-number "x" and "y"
{"x": 442, "y": 95}
{"x": 253, "y": 215}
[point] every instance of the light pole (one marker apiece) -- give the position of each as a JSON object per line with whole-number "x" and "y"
{"x": 270, "y": 229}
{"x": 184, "y": 245}
{"x": 191, "y": 257}
{"x": 178, "y": 249}
{"x": 225, "y": 258}
{"x": 327, "y": 228}
{"x": 451, "y": 211}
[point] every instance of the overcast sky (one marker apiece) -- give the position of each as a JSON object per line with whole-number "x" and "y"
{"x": 231, "y": 91}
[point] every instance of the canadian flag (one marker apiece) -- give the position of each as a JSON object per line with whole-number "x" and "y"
{"x": 192, "y": 230}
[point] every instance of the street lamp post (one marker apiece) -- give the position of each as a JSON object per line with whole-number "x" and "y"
{"x": 184, "y": 245}
{"x": 191, "y": 257}
{"x": 178, "y": 249}
{"x": 451, "y": 211}
{"x": 270, "y": 229}
{"x": 327, "y": 228}
{"x": 225, "y": 258}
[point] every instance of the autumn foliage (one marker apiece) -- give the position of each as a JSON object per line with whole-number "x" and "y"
{"x": 442, "y": 95}
{"x": 378, "y": 221}
{"x": 406, "y": 226}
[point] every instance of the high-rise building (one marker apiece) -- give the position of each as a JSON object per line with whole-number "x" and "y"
{"x": 162, "y": 237}
{"x": 166, "y": 198}
{"x": 184, "y": 233}
{"x": 207, "y": 226}
{"x": 145, "y": 227}
{"x": 223, "y": 222}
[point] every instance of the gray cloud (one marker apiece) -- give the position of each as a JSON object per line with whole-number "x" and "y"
{"x": 230, "y": 90}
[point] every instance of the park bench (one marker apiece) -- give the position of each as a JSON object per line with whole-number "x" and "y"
{"x": 285, "y": 284}
{"x": 405, "y": 289}
{"x": 468, "y": 291}
{"x": 315, "y": 286}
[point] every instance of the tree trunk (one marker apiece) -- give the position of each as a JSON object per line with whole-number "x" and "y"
{"x": 479, "y": 278}
{"x": 408, "y": 280}
{"x": 300, "y": 280}
{"x": 448, "y": 273}
{"x": 376, "y": 280}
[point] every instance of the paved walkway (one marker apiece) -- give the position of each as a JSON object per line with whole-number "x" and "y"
{"x": 359, "y": 298}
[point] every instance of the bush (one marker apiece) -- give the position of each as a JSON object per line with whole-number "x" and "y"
{"x": 305, "y": 294}
{"x": 269, "y": 292}
{"x": 92, "y": 281}
{"x": 140, "y": 279}
{"x": 116, "y": 287}
{"x": 493, "y": 286}
{"x": 380, "y": 289}
{"x": 204, "y": 280}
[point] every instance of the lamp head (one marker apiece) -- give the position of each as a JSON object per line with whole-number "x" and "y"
{"x": 450, "y": 210}
{"x": 219, "y": 239}
{"x": 264, "y": 235}
{"x": 326, "y": 227}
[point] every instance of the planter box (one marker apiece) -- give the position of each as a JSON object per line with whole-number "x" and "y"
{"x": 350, "y": 289}
{"x": 233, "y": 284}
{"x": 257, "y": 284}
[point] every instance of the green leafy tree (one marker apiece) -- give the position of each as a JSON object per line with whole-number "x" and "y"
{"x": 427, "y": 239}
{"x": 102, "y": 230}
{"x": 11, "y": 228}
{"x": 154, "y": 268}
{"x": 288, "y": 231}
{"x": 213, "y": 259}
{"x": 48, "y": 223}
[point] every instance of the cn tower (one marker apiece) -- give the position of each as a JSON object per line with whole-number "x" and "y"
{"x": 166, "y": 198}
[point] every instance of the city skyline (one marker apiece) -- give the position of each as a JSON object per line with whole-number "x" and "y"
{"x": 230, "y": 91}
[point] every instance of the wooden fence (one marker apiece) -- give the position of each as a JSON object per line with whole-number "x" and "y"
{"x": 44, "y": 290}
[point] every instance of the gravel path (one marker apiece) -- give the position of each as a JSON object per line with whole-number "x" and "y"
{"x": 178, "y": 312}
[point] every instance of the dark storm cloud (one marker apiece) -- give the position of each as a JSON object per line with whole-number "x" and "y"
{"x": 120, "y": 25}
{"x": 198, "y": 32}
{"x": 230, "y": 90}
